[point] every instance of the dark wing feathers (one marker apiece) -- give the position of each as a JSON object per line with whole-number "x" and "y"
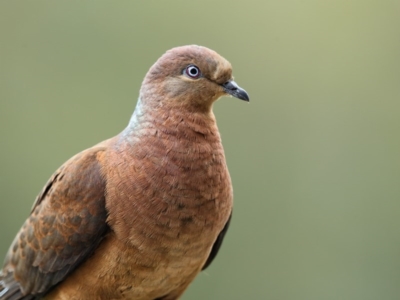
{"x": 217, "y": 244}
{"x": 67, "y": 222}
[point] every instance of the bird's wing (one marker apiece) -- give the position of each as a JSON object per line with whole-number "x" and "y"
{"x": 217, "y": 244}
{"x": 67, "y": 222}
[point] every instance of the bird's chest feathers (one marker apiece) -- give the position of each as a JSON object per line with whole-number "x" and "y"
{"x": 171, "y": 189}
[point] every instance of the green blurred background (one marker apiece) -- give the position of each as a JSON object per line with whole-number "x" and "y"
{"x": 314, "y": 157}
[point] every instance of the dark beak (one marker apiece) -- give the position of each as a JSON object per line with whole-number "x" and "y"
{"x": 236, "y": 91}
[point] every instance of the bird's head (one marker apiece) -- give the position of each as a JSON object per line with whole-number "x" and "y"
{"x": 190, "y": 76}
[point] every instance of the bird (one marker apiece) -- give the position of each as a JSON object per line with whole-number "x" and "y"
{"x": 140, "y": 215}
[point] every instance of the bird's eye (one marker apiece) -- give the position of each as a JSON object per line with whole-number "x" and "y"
{"x": 192, "y": 71}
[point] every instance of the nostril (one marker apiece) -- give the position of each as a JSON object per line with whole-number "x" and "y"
{"x": 230, "y": 86}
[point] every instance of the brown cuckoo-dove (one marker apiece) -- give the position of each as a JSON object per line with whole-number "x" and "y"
{"x": 137, "y": 216}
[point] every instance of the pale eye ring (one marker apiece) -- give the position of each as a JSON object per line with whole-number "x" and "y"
{"x": 192, "y": 71}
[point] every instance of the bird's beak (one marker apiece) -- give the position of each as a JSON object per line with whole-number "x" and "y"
{"x": 236, "y": 91}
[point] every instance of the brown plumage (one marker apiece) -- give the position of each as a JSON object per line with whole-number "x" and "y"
{"x": 137, "y": 216}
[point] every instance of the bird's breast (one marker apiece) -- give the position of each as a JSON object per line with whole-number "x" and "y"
{"x": 171, "y": 194}
{"x": 167, "y": 201}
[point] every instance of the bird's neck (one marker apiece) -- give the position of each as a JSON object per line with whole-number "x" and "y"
{"x": 173, "y": 122}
